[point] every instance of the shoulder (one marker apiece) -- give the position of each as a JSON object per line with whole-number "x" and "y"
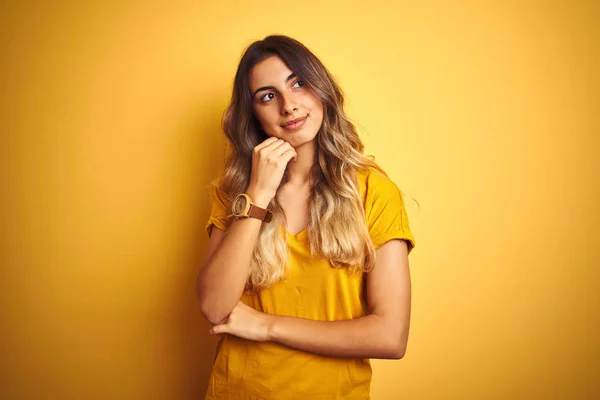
{"x": 219, "y": 197}
{"x": 385, "y": 211}
{"x": 375, "y": 186}
{"x": 220, "y": 209}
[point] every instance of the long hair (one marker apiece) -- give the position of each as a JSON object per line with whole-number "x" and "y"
{"x": 337, "y": 229}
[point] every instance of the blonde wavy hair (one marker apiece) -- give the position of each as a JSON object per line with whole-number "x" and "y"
{"x": 337, "y": 228}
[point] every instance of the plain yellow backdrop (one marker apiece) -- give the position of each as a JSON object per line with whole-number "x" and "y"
{"x": 486, "y": 113}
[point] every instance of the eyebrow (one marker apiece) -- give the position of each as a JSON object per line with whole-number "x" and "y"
{"x": 292, "y": 76}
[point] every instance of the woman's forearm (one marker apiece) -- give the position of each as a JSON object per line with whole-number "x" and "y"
{"x": 370, "y": 336}
{"x": 222, "y": 279}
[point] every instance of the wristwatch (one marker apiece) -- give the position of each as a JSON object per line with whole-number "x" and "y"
{"x": 242, "y": 207}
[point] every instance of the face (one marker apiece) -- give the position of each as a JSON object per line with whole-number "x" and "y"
{"x": 280, "y": 97}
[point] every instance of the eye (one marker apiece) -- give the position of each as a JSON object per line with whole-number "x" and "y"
{"x": 298, "y": 83}
{"x": 269, "y": 96}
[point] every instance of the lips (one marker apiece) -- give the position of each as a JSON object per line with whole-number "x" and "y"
{"x": 293, "y": 122}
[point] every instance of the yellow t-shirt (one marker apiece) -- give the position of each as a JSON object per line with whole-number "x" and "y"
{"x": 245, "y": 369}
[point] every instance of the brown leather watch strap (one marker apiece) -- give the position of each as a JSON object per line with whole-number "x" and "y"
{"x": 260, "y": 213}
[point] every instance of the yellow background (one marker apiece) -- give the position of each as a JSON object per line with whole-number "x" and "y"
{"x": 486, "y": 113}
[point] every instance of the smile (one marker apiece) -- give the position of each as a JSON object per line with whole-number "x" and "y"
{"x": 295, "y": 124}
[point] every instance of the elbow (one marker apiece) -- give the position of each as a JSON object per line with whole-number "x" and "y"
{"x": 213, "y": 314}
{"x": 213, "y": 319}
{"x": 209, "y": 311}
{"x": 397, "y": 352}
{"x": 215, "y": 305}
{"x": 397, "y": 344}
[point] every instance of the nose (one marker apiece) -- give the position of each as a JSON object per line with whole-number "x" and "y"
{"x": 288, "y": 103}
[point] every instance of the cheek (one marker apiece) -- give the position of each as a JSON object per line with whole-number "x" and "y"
{"x": 317, "y": 112}
{"x": 263, "y": 116}
{"x": 268, "y": 121}
{"x": 315, "y": 104}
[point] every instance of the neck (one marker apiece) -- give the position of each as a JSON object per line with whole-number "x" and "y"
{"x": 299, "y": 170}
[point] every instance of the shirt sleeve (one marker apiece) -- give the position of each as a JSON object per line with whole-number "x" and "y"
{"x": 219, "y": 212}
{"x": 385, "y": 212}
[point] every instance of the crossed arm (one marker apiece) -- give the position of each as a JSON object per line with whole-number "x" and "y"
{"x": 383, "y": 333}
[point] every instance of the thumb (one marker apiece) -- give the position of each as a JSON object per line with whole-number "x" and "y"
{"x": 217, "y": 329}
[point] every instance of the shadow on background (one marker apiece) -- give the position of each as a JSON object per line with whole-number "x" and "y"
{"x": 194, "y": 344}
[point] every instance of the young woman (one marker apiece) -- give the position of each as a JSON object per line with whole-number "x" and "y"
{"x": 306, "y": 272}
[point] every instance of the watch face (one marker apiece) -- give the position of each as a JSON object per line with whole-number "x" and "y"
{"x": 239, "y": 205}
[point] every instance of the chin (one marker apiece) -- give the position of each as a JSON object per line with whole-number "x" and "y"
{"x": 298, "y": 138}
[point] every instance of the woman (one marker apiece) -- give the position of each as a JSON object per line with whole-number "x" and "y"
{"x": 306, "y": 272}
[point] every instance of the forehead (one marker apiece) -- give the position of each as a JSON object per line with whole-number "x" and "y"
{"x": 271, "y": 71}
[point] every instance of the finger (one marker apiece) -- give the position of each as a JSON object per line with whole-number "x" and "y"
{"x": 215, "y": 330}
{"x": 273, "y": 146}
{"x": 266, "y": 142}
{"x": 282, "y": 149}
{"x": 289, "y": 155}
{"x": 268, "y": 147}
